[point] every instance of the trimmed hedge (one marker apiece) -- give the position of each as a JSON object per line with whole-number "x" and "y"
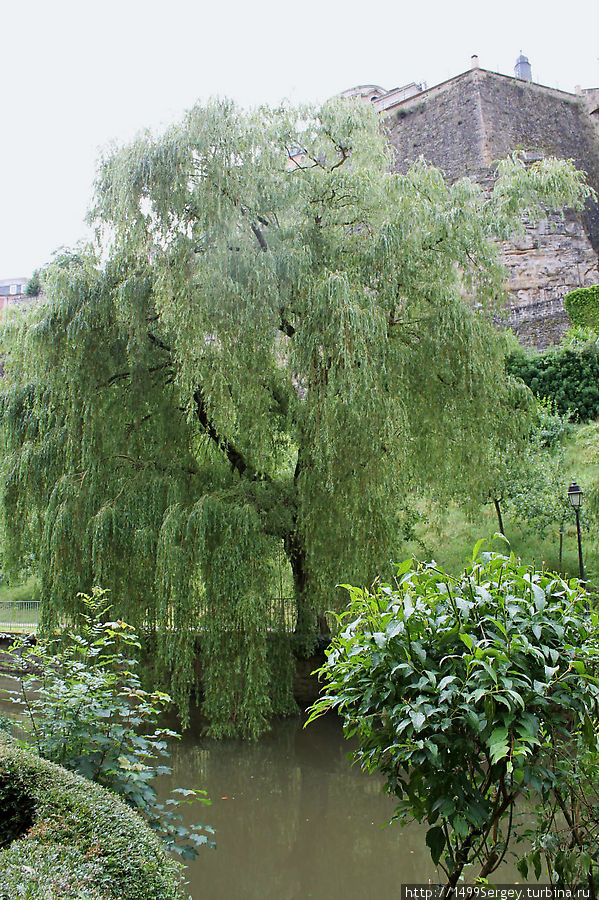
{"x": 567, "y": 376}
{"x": 74, "y": 840}
{"x": 582, "y": 306}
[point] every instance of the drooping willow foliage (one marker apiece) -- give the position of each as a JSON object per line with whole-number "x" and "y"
{"x": 228, "y": 399}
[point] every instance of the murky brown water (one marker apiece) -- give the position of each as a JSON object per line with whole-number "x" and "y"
{"x": 295, "y": 820}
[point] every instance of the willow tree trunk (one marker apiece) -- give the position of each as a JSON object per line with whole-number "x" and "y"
{"x": 499, "y": 516}
{"x": 306, "y": 620}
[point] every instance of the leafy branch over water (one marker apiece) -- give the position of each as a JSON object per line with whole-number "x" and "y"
{"x": 85, "y": 709}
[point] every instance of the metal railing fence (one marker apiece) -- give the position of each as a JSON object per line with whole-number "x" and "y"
{"x": 21, "y": 616}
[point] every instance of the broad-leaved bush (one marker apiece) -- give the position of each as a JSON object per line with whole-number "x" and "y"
{"x": 463, "y": 692}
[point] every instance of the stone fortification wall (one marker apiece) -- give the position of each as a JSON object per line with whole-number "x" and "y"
{"x": 590, "y": 98}
{"x": 444, "y": 125}
{"x": 522, "y": 114}
{"x": 547, "y": 262}
{"x": 463, "y": 126}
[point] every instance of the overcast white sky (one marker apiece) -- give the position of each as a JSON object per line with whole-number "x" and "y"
{"x": 77, "y": 74}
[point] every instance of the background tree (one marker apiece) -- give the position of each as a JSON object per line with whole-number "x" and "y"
{"x": 564, "y": 836}
{"x": 529, "y": 480}
{"x": 34, "y": 285}
{"x": 281, "y": 340}
{"x": 566, "y": 375}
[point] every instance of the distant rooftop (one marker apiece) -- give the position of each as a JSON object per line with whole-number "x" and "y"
{"x": 8, "y": 281}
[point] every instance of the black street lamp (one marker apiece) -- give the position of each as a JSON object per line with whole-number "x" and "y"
{"x": 575, "y": 498}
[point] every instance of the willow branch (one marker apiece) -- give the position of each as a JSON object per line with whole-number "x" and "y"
{"x": 344, "y": 155}
{"x": 236, "y": 458}
{"x": 121, "y": 376}
{"x": 141, "y": 464}
{"x": 259, "y": 237}
{"x": 155, "y": 340}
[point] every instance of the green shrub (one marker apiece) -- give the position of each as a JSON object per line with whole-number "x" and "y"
{"x": 582, "y": 306}
{"x": 466, "y": 694}
{"x": 568, "y": 376}
{"x": 83, "y": 843}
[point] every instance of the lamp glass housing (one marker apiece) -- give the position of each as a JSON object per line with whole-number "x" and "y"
{"x": 575, "y": 495}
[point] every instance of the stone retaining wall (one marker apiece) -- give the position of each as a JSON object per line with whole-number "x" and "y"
{"x": 463, "y": 126}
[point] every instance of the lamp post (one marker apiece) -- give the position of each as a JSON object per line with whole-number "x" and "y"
{"x": 575, "y": 498}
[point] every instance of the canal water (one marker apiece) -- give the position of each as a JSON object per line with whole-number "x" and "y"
{"x": 295, "y": 820}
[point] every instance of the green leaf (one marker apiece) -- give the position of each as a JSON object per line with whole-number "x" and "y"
{"x": 445, "y": 682}
{"x": 522, "y": 866}
{"x": 589, "y": 733}
{"x": 498, "y": 744}
{"x": 435, "y": 841}
{"x": 466, "y": 639}
{"x": 394, "y": 628}
{"x": 418, "y": 719}
{"x": 403, "y": 567}
{"x": 477, "y": 547}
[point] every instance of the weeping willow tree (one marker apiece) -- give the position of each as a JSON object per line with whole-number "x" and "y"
{"x": 228, "y": 398}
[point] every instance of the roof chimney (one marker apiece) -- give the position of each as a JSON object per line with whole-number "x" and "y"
{"x": 522, "y": 69}
{"x": 474, "y": 61}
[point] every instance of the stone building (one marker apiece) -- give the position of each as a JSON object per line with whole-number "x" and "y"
{"x": 465, "y": 124}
